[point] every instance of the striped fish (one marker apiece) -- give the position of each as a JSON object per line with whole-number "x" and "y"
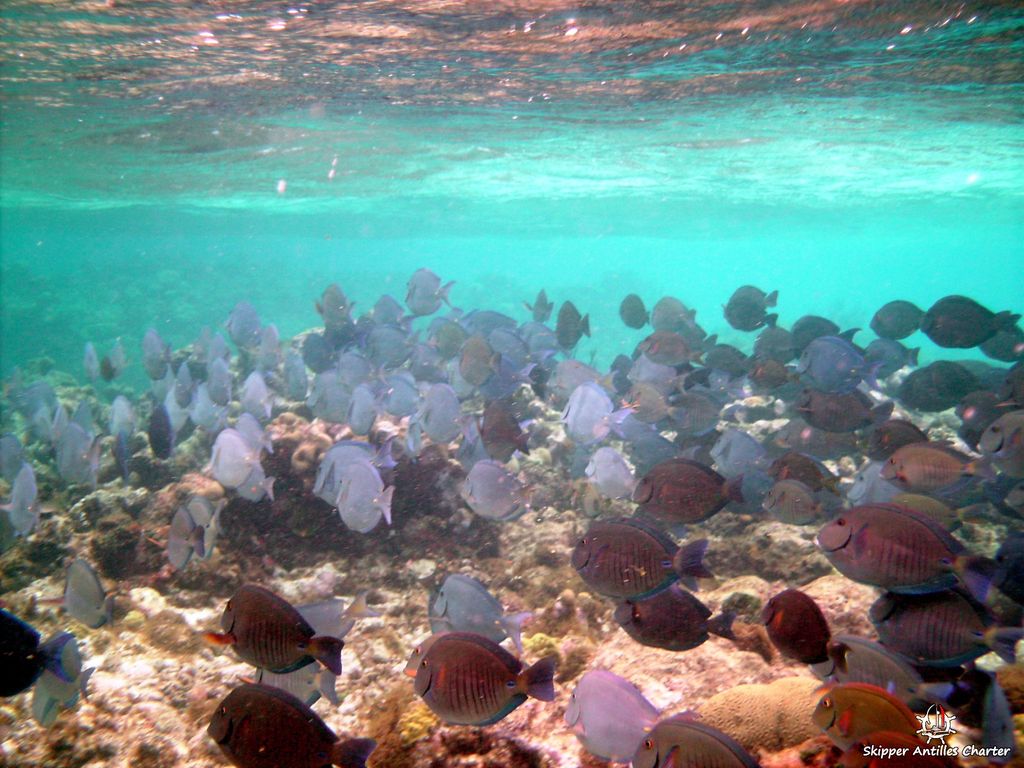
{"x": 625, "y": 557}
{"x": 946, "y": 629}
{"x": 268, "y": 632}
{"x": 899, "y": 549}
{"x": 467, "y": 679}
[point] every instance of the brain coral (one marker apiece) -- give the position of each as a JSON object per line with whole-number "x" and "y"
{"x": 770, "y": 717}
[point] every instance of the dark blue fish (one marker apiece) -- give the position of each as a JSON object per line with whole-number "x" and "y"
{"x": 833, "y": 364}
{"x": 161, "y": 433}
{"x": 886, "y": 356}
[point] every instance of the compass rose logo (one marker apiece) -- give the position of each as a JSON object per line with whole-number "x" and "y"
{"x": 936, "y": 723}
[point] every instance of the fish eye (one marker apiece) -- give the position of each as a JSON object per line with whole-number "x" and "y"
{"x": 648, "y": 743}
{"x": 423, "y": 663}
{"x": 826, "y": 703}
{"x": 841, "y": 521}
{"x": 510, "y": 684}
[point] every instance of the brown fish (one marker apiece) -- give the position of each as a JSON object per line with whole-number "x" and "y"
{"x": 500, "y": 431}
{"x": 267, "y": 632}
{"x": 796, "y": 626}
{"x": 959, "y": 322}
{"x": 667, "y": 348}
{"x": 684, "y": 491}
{"x": 925, "y": 467}
{"x": 467, "y": 679}
{"x": 672, "y": 619}
{"x": 448, "y": 337}
{"x": 477, "y": 360}
{"x": 625, "y": 557}
{"x": 259, "y": 726}
{"x": 793, "y": 502}
{"x": 895, "y": 548}
{"x": 886, "y": 437}
{"x": 840, "y": 412}
{"x": 850, "y": 711}
{"x": 794, "y": 465}
{"x": 768, "y": 373}
{"x": 945, "y": 629}
{"x": 647, "y": 403}
{"x": 570, "y": 326}
{"x": 681, "y": 741}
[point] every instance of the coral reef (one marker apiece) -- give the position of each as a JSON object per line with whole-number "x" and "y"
{"x": 768, "y": 717}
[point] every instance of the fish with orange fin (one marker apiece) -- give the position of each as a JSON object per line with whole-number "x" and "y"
{"x": 467, "y": 679}
{"x": 930, "y": 466}
{"x": 269, "y": 632}
{"x": 847, "y": 712}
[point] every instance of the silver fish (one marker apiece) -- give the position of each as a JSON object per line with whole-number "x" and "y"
{"x": 463, "y": 604}
{"x": 609, "y": 715}
{"x": 84, "y": 596}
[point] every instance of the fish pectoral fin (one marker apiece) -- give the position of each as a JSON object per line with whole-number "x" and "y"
{"x": 220, "y": 638}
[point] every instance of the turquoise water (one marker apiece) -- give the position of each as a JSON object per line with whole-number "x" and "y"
{"x": 162, "y": 161}
{"x": 159, "y": 162}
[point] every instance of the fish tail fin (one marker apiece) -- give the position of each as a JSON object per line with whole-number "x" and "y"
{"x": 585, "y": 326}
{"x": 1003, "y": 641}
{"x": 327, "y": 686}
{"x": 772, "y": 299}
{"x": 219, "y": 638}
{"x": 871, "y": 377}
{"x": 1005, "y": 320}
{"x": 384, "y": 503}
{"x": 721, "y": 625}
{"x": 108, "y": 609}
{"x": 881, "y": 412}
{"x": 52, "y": 653}
{"x": 539, "y": 678}
{"x": 912, "y": 355}
{"x": 771, "y": 320}
{"x": 197, "y": 540}
{"x": 360, "y": 609}
{"x": 513, "y": 625}
{"x": 848, "y": 335}
{"x": 976, "y": 573}
{"x": 268, "y": 488}
{"x": 327, "y": 650}
{"x": 981, "y": 468}
{"x": 733, "y": 489}
{"x": 442, "y": 294}
{"x": 937, "y": 692}
{"x": 352, "y": 753}
{"x": 688, "y": 561}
